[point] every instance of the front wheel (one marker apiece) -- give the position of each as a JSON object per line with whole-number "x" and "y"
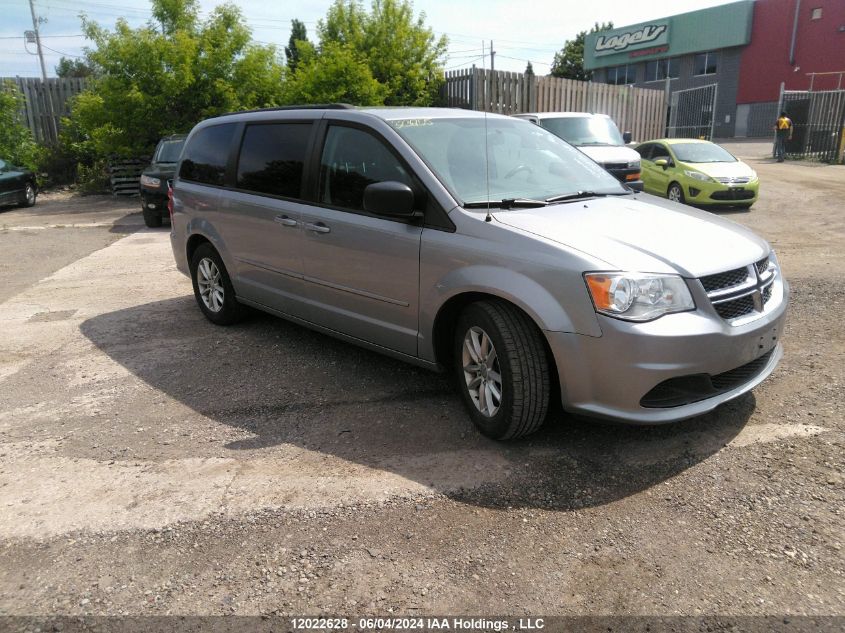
{"x": 28, "y": 196}
{"x": 675, "y": 193}
{"x": 502, "y": 370}
{"x": 152, "y": 218}
{"x": 213, "y": 288}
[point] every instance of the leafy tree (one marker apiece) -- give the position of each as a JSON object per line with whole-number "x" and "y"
{"x": 73, "y": 68}
{"x": 17, "y": 146}
{"x": 165, "y": 77}
{"x": 297, "y": 34}
{"x": 569, "y": 61}
{"x": 338, "y": 73}
{"x": 402, "y": 53}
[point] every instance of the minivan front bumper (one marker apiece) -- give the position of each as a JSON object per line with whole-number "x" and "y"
{"x": 613, "y": 375}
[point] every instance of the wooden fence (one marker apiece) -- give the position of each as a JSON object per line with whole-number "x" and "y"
{"x": 45, "y": 103}
{"x": 640, "y": 110}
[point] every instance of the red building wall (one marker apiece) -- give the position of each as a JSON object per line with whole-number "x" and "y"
{"x": 819, "y": 47}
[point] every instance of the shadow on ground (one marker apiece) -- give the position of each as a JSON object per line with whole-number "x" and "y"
{"x": 285, "y": 384}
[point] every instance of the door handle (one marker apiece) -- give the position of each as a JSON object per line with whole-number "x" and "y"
{"x": 319, "y": 227}
{"x": 285, "y": 220}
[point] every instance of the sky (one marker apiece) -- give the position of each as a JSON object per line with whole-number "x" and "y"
{"x": 520, "y": 31}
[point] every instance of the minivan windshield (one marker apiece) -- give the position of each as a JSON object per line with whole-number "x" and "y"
{"x": 525, "y": 161}
{"x": 168, "y": 151}
{"x": 701, "y": 153}
{"x": 580, "y": 131}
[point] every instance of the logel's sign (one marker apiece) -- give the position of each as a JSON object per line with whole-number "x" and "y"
{"x": 648, "y": 35}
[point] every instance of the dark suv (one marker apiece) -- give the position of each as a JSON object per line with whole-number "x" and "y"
{"x": 155, "y": 176}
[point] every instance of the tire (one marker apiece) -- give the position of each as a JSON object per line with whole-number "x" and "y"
{"x": 152, "y": 218}
{"x": 678, "y": 191}
{"x": 744, "y": 207}
{"x": 522, "y": 364}
{"x": 229, "y": 310}
{"x": 28, "y": 196}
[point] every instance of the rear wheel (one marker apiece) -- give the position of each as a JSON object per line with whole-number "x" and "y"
{"x": 28, "y": 196}
{"x": 213, "y": 288}
{"x": 502, "y": 370}
{"x": 675, "y": 193}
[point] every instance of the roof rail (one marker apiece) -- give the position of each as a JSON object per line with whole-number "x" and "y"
{"x": 319, "y": 106}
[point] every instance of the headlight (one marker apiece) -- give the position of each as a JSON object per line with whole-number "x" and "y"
{"x": 634, "y": 164}
{"x": 753, "y": 175}
{"x": 697, "y": 175}
{"x": 638, "y": 296}
{"x": 149, "y": 181}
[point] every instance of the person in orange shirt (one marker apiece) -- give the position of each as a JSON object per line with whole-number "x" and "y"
{"x": 783, "y": 133}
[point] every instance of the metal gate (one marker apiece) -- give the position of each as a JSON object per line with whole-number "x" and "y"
{"x": 818, "y": 119}
{"x": 692, "y": 113}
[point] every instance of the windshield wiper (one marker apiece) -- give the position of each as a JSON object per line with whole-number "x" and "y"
{"x": 507, "y": 203}
{"x": 579, "y": 195}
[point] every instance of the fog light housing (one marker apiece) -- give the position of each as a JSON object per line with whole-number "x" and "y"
{"x": 693, "y": 192}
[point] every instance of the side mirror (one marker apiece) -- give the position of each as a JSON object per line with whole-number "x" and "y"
{"x": 662, "y": 162}
{"x": 390, "y": 198}
{"x": 627, "y": 137}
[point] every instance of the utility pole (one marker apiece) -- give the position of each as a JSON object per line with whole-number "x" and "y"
{"x": 492, "y": 57}
{"x": 50, "y": 110}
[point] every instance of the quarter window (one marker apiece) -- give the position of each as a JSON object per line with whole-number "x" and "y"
{"x": 352, "y": 160}
{"x": 272, "y": 158}
{"x": 705, "y": 64}
{"x": 206, "y": 156}
{"x": 660, "y": 69}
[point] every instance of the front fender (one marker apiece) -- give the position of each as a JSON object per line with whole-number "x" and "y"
{"x": 544, "y": 308}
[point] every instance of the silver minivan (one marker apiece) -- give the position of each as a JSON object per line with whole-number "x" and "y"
{"x": 482, "y": 245}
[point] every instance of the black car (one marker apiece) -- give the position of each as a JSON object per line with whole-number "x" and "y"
{"x": 154, "y": 179}
{"x": 17, "y": 185}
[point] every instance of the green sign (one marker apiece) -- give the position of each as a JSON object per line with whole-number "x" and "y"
{"x": 623, "y": 40}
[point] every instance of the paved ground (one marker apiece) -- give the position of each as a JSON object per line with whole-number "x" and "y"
{"x": 151, "y": 463}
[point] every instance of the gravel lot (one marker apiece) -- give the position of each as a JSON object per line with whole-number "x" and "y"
{"x": 151, "y": 463}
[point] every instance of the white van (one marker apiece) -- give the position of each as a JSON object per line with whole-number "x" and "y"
{"x": 598, "y": 137}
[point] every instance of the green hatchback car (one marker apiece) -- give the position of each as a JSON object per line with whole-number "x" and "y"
{"x": 697, "y": 172}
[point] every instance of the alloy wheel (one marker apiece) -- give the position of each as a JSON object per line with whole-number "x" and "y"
{"x": 482, "y": 373}
{"x": 30, "y": 194}
{"x": 674, "y": 193}
{"x": 210, "y": 284}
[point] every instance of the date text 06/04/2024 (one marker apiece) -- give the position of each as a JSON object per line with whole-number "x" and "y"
{"x": 478, "y": 625}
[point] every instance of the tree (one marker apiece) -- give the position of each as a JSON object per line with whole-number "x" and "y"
{"x": 338, "y": 73}
{"x": 17, "y": 147}
{"x": 73, "y": 68}
{"x": 297, "y": 34}
{"x": 569, "y": 61}
{"x": 529, "y": 69}
{"x": 402, "y": 53}
{"x": 165, "y": 77}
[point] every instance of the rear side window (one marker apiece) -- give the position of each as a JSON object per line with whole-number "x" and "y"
{"x": 206, "y": 155}
{"x": 272, "y": 158}
{"x": 353, "y": 160}
{"x": 645, "y": 150}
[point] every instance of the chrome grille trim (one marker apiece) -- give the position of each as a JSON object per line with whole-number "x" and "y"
{"x": 741, "y": 302}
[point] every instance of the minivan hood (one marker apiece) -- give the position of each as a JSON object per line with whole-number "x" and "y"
{"x": 610, "y": 153}
{"x": 643, "y": 233}
{"x": 723, "y": 170}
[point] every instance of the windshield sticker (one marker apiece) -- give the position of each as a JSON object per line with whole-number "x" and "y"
{"x": 402, "y": 123}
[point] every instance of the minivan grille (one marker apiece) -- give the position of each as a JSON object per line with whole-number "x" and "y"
{"x": 742, "y": 291}
{"x": 728, "y": 279}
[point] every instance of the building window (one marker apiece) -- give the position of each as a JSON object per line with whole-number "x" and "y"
{"x": 621, "y": 75}
{"x": 660, "y": 69}
{"x": 816, "y": 14}
{"x": 704, "y": 64}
